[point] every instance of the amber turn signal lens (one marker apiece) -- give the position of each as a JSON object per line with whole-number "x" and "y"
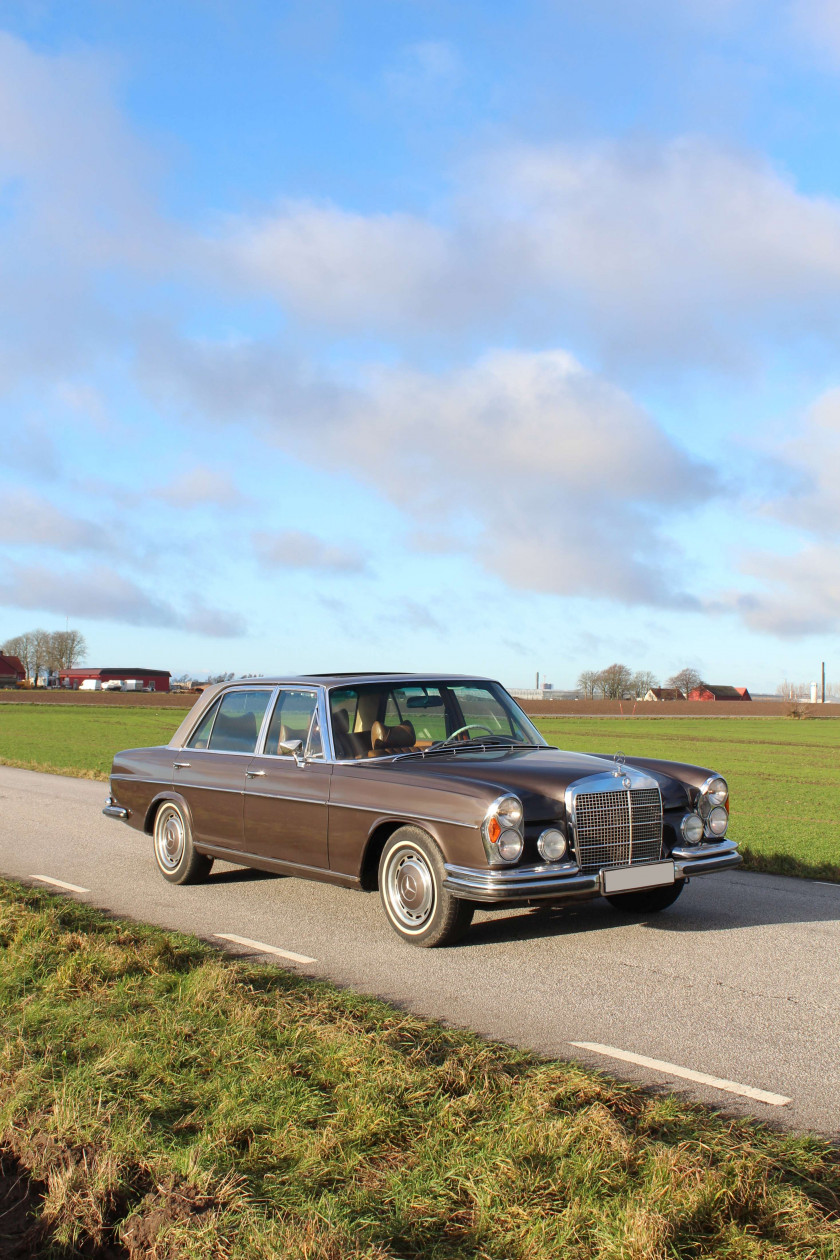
{"x": 494, "y": 830}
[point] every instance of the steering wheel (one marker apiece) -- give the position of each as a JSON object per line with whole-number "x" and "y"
{"x": 471, "y": 726}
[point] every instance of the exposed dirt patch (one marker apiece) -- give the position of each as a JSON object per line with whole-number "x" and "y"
{"x": 24, "y": 1234}
{"x": 171, "y": 1202}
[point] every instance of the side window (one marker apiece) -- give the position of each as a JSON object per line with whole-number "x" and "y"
{"x": 291, "y": 719}
{"x": 238, "y": 723}
{"x": 315, "y": 747}
{"x": 201, "y": 734}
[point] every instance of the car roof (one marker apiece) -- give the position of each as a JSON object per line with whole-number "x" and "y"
{"x": 347, "y": 680}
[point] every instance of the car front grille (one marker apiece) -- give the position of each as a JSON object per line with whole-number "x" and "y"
{"x": 618, "y": 828}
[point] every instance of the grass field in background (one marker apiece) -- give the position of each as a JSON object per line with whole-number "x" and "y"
{"x": 185, "y": 1103}
{"x": 784, "y": 773}
{"x": 79, "y": 741}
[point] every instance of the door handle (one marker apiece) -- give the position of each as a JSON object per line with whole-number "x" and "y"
{"x": 254, "y": 774}
{"x": 180, "y": 765}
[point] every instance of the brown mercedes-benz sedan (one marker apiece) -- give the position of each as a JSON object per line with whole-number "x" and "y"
{"x": 435, "y": 789}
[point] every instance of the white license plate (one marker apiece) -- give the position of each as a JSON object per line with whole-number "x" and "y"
{"x": 626, "y": 878}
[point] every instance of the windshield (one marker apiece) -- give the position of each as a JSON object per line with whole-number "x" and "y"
{"x": 383, "y": 719}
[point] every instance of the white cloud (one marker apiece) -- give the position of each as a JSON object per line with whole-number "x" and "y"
{"x": 795, "y": 595}
{"x": 678, "y": 249}
{"x": 197, "y": 486}
{"x": 28, "y": 520}
{"x": 553, "y": 478}
{"x": 104, "y": 594}
{"x": 296, "y": 549}
{"x": 818, "y": 23}
{"x": 813, "y": 459}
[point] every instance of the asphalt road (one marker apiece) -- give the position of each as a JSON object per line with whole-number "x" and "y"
{"x": 739, "y": 980}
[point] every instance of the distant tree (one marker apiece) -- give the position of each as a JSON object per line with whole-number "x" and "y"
{"x": 217, "y": 678}
{"x": 67, "y": 649}
{"x": 587, "y": 683}
{"x": 794, "y": 691}
{"x": 24, "y": 648}
{"x": 614, "y": 682}
{"x": 641, "y": 683}
{"x": 43, "y": 650}
{"x": 687, "y": 680}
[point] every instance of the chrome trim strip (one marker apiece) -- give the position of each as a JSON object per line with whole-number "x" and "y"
{"x": 375, "y": 809}
{"x": 300, "y": 800}
{"x": 135, "y": 778}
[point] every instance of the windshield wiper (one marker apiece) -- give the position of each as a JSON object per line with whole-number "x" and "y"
{"x": 471, "y": 745}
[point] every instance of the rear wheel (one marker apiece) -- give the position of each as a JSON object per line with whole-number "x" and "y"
{"x": 647, "y": 900}
{"x": 418, "y": 907}
{"x": 175, "y": 854}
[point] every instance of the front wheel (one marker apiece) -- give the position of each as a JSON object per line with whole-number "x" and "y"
{"x": 647, "y": 900}
{"x": 418, "y": 907}
{"x": 175, "y": 854}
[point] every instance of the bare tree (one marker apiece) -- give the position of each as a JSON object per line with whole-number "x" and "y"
{"x": 794, "y": 691}
{"x": 42, "y": 650}
{"x": 22, "y": 647}
{"x": 641, "y": 683}
{"x": 615, "y": 682}
{"x": 587, "y": 683}
{"x": 67, "y": 649}
{"x": 687, "y": 680}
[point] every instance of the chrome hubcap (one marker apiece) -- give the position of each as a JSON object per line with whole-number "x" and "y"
{"x": 410, "y": 888}
{"x": 169, "y": 838}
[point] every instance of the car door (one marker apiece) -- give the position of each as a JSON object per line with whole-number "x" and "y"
{"x": 209, "y": 771}
{"x": 286, "y": 795}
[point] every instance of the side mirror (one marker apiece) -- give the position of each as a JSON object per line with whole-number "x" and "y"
{"x": 295, "y": 747}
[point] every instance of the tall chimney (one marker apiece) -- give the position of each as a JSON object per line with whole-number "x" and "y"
{"x": 823, "y": 682}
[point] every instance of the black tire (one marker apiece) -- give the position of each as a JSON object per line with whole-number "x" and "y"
{"x": 647, "y": 900}
{"x": 416, "y": 904}
{"x": 175, "y": 854}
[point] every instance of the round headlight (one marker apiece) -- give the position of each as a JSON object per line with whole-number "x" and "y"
{"x": 716, "y": 792}
{"x": 509, "y": 811}
{"x": 718, "y": 821}
{"x": 509, "y": 845}
{"x": 552, "y": 844}
{"x": 692, "y": 828}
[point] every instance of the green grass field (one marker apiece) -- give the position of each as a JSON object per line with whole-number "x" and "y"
{"x": 784, "y": 773}
{"x": 64, "y": 739}
{"x": 174, "y": 1102}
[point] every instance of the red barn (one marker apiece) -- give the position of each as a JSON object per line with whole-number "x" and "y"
{"x": 150, "y": 679}
{"x": 707, "y": 692}
{"x": 11, "y": 671}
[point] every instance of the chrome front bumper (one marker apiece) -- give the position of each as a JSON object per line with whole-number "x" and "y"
{"x": 545, "y": 882}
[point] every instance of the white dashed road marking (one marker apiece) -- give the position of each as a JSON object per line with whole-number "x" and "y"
{"x": 671, "y": 1069}
{"x": 262, "y": 948}
{"x": 59, "y": 883}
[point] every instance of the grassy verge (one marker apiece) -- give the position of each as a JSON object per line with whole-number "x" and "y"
{"x": 178, "y": 1103}
{"x": 782, "y": 774}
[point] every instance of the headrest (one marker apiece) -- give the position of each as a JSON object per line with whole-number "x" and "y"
{"x": 391, "y": 737}
{"x": 234, "y": 732}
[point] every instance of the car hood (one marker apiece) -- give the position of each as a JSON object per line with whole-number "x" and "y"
{"x": 539, "y": 777}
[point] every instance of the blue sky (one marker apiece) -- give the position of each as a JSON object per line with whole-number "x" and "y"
{"x": 420, "y": 335}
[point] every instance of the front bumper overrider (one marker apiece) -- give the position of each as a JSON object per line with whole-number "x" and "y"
{"x": 557, "y": 881}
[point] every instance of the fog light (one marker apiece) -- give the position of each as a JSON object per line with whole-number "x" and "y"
{"x": 509, "y": 845}
{"x": 552, "y": 844}
{"x": 718, "y": 821}
{"x": 692, "y": 828}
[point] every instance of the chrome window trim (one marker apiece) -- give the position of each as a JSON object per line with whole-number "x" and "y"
{"x": 218, "y": 701}
{"x": 310, "y": 691}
